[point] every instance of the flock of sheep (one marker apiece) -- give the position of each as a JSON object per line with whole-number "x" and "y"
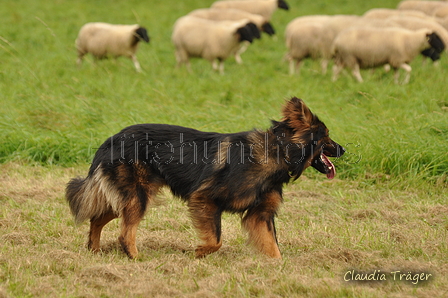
{"x": 380, "y": 37}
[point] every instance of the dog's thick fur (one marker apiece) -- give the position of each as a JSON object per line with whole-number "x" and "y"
{"x": 239, "y": 173}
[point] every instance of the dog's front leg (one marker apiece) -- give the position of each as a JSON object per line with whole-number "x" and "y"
{"x": 259, "y": 222}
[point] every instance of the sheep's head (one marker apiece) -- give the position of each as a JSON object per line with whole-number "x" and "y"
{"x": 431, "y": 53}
{"x": 282, "y": 4}
{"x": 268, "y": 29}
{"x": 435, "y": 42}
{"x": 142, "y": 34}
{"x": 254, "y": 30}
{"x": 245, "y": 33}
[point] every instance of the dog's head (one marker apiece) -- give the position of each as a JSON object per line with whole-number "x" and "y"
{"x": 311, "y": 136}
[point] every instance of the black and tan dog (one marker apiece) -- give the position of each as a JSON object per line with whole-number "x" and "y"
{"x": 240, "y": 172}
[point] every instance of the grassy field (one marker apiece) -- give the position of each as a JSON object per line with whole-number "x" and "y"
{"x": 387, "y": 209}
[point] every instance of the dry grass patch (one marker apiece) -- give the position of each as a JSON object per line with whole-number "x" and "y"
{"x": 325, "y": 229}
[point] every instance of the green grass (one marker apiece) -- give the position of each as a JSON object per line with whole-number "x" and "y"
{"x": 386, "y": 210}
{"x": 56, "y": 113}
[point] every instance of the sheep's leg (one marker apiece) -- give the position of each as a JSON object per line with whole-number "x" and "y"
{"x": 396, "y": 75}
{"x": 221, "y": 67}
{"x": 218, "y": 65}
{"x": 136, "y": 64}
{"x": 294, "y": 66}
{"x": 408, "y": 69}
{"x": 337, "y": 68}
{"x": 356, "y": 73}
{"x": 215, "y": 65}
{"x": 324, "y": 66}
{"x": 243, "y": 47}
{"x": 182, "y": 58}
{"x": 291, "y": 66}
{"x": 80, "y": 56}
{"x": 188, "y": 66}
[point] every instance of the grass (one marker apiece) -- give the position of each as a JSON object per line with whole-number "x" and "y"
{"x": 387, "y": 209}
{"x": 325, "y": 229}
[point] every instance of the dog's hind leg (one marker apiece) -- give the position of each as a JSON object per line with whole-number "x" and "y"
{"x": 206, "y": 218}
{"x": 132, "y": 215}
{"x": 259, "y": 222}
{"x": 96, "y": 226}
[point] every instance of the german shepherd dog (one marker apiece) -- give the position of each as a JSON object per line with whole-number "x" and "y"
{"x": 240, "y": 173}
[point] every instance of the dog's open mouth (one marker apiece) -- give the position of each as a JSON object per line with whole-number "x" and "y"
{"x": 325, "y": 166}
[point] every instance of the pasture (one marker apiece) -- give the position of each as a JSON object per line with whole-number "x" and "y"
{"x": 386, "y": 210}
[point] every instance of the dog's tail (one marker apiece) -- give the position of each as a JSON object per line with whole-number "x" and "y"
{"x": 91, "y": 197}
{"x": 75, "y": 195}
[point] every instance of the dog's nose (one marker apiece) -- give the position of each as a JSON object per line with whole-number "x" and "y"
{"x": 340, "y": 151}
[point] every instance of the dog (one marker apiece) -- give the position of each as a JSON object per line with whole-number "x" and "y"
{"x": 241, "y": 173}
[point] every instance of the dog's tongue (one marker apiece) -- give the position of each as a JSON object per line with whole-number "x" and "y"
{"x": 332, "y": 170}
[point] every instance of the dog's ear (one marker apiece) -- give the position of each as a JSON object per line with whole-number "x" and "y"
{"x": 297, "y": 115}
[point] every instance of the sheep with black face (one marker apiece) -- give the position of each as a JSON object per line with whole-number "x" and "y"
{"x": 262, "y": 7}
{"x": 210, "y": 40}
{"x": 103, "y": 40}
{"x": 367, "y": 47}
{"x": 230, "y": 14}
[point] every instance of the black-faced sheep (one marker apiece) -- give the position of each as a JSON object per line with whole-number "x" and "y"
{"x": 230, "y": 14}
{"x": 428, "y": 7}
{"x": 211, "y": 40}
{"x": 103, "y": 40}
{"x": 415, "y": 23}
{"x": 307, "y": 37}
{"x": 312, "y": 36}
{"x": 357, "y": 48}
{"x": 441, "y": 12}
{"x": 384, "y": 13}
{"x": 264, "y": 8}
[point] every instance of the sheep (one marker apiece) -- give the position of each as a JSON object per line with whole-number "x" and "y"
{"x": 211, "y": 40}
{"x": 414, "y": 23}
{"x": 428, "y": 7}
{"x": 103, "y": 40}
{"x": 230, "y": 14}
{"x": 441, "y": 12}
{"x": 307, "y": 37}
{"x": 264, "y": 8}
{"x": 369, "y": 47}
{"x": 312, "y": 36}
{"x": 384, "y": 13}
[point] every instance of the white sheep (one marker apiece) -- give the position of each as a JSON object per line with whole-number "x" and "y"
{"x": 428, "y": 7}
{"x": 264, "y": 8}
{"x": 312, "y": 36}
{"x": 211, "y": 40}
{"x": 103, "y": 40}
{"x": 231, "y": 14}
{"x": 384, "y": 13}
{"x": 307, "y": 37}
{"x": 415, "y": 23}
{"x": 441, "y": 12}
{"x": 369, "y": 47}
